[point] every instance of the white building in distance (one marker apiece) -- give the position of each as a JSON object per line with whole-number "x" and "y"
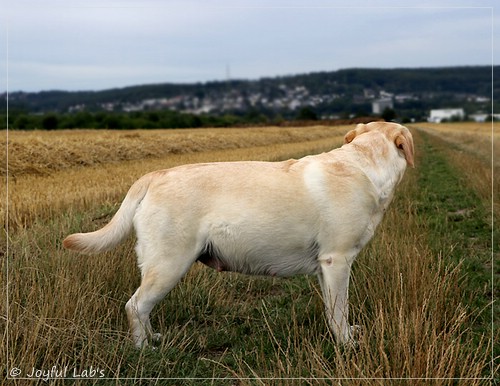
{"x": 438, "y": 115}
{"x": 379, "y": 105}
{"x": 479, "y": 117}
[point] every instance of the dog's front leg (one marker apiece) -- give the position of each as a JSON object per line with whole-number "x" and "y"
{"x": 334, "y": 280}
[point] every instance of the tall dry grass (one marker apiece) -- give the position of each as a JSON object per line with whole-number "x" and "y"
{"x": 473, "y": 150}
{"x": 66, "y": 310}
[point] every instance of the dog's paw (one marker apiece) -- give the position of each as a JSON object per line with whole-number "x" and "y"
{"x": 354, "y": 335}
{"x": 350, "y": 338}
{"x": 355, "y": 331}
{"x": 156, "y": 337}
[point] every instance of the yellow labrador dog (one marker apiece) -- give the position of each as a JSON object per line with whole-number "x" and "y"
{"x": 306, "y": 216}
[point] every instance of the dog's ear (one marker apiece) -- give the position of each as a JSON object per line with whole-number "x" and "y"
{"x": 405, "y": 143}
{"x": 349, "y": 136}
{"x": 360, "y": 128}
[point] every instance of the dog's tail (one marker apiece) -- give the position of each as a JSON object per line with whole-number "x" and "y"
{"x": 117, "y": 229}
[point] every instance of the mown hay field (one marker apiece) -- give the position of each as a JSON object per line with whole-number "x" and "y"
{"x": 50, "y": 172}
{"x": 421, "y": 290}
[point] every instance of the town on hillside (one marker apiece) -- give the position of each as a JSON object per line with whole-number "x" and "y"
{"x": 434, "y": 94}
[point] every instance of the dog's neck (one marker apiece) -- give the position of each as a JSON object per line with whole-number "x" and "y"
{"x": 380, "y": 161}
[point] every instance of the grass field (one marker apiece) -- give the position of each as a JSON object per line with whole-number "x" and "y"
{"x": 421, "y": 290}
{"x": 46, "y": 169}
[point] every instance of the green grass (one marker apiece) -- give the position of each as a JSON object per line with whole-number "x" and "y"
{"x": 459, "y": 226}
{"x": 420, "y": 291}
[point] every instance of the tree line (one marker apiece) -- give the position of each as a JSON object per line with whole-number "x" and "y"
{"x": 158, "y": 119}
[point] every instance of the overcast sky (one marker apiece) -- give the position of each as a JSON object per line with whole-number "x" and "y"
{"x": 99, "y": 44}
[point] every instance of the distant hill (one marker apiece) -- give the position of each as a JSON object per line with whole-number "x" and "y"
{"x": 328, "y": 94}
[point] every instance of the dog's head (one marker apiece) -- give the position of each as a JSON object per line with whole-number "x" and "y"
{"x": 395, "y": 133}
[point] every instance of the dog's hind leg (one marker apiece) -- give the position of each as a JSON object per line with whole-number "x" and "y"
{"x": 157, "y": 281}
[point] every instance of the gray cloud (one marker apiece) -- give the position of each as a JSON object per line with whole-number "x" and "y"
{"x": 100, "y": 44}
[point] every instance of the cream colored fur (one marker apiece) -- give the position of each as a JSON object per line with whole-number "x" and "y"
{"x": 306, "y": 216}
